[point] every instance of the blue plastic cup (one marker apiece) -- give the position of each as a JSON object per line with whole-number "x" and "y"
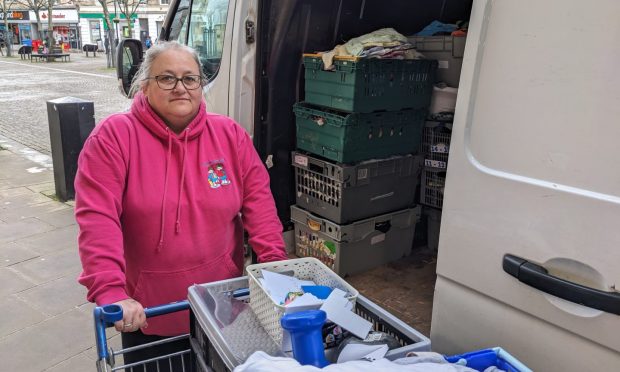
{"x": 305, "y": 328}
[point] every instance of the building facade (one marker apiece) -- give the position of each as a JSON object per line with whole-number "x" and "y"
{"x": 83, "y": 23}
{"x": 146, "y": 21}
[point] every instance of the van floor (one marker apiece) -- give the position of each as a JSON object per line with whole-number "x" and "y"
{"x": 404, "y": 288}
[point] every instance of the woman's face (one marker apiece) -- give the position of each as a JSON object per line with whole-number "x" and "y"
{"x": 178, "y": 106}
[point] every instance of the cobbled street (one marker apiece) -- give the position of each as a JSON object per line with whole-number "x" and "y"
{"x": 26, "y": 86}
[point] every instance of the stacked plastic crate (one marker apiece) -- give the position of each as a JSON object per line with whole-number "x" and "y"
{"x": 355, "y": 172}
{"x": 449, "y": 51}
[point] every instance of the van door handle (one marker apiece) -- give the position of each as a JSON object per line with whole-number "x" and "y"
{"x": 538, "y": 277}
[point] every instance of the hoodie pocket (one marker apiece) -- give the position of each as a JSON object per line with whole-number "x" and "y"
{"x": 162, "y": 287}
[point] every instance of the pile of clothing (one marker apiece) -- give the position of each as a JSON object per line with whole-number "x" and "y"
{"x": 383, "y": 43}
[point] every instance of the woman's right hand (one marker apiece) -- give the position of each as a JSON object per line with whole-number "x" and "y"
{"x": 133, "y": 316}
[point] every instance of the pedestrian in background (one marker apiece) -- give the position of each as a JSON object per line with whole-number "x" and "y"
{"x": 163, "y": 195}
{"x": 148, "y": 42}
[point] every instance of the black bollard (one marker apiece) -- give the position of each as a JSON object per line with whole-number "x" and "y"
{"x": 70, "y": 120}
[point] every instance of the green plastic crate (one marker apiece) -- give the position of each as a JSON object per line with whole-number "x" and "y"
{"x": 353, "y": 137}
{"x": 368, "y": 85}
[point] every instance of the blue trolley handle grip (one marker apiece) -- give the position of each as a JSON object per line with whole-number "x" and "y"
{"x": 106, "y": 315}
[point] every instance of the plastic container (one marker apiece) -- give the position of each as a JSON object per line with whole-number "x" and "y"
{"x": 358, "y": 246}
{"x": 368, "y": 85}
{"x": 447, "y": 50}
{"x": 436, "y": 138}
{"x": 443, "y": 99}
{"x": 305, "y": 328}
{"x": 354, "y": 137}
{"x": 432, "y": 187}
{"x": 496, "y": 357}
{"x": 225, "y": 331}
{"x": 267, "y": 311}
{"x": 345, "y": 193}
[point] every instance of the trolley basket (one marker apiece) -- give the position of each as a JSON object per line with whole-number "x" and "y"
{"x": 105, "y": 316}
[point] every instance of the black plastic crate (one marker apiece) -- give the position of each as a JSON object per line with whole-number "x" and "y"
{"x": 432, "y": 187}
{"x": 436, "y": 137}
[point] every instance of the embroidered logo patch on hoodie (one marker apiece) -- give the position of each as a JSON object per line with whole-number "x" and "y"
{"x": 217, "y": 175}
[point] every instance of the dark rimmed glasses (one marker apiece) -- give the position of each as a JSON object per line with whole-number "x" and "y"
{"x": 169, "y": 82}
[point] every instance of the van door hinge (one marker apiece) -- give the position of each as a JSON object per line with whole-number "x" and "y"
{"x": 250, "y": 31}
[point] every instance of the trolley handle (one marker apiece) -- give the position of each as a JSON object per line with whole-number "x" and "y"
{"x": 106, "y": 315}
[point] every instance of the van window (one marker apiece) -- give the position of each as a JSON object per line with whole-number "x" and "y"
{"x": 203, "y": 30}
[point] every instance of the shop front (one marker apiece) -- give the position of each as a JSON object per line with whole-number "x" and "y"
{"x": 65, "y": 27}
{"x": 19, "y": 26}
{"x": 94, "y": 28}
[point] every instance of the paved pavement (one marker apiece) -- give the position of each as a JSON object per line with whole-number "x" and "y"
{"x": 46, "y": 321}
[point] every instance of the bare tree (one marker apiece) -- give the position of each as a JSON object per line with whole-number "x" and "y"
{"x": 128, "y": 9}
{"x": 111, "y": 44}
{"x": 36, "y": 6}
{"x": 6, "y": 36}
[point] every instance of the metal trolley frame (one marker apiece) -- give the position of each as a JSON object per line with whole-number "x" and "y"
{"x": 105, "y": 316}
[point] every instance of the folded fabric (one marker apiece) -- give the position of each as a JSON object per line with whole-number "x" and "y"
{"x": 424, "y": 362}
{"x": 437, "y": 27}
{"x": 385, "y": 38}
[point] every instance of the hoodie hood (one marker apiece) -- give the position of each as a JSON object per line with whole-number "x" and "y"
{"x": 142, "y": 109}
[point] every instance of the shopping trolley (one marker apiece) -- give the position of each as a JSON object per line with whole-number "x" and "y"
{"x": 105, "y": 316}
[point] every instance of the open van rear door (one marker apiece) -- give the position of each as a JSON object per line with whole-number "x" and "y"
{"x": 533, "y": 173}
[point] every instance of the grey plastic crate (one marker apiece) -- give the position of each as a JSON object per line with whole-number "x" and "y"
{"x": 447, "y": 50}
{"x": 436, "y": 137}
{"x": 345, "y": 193}
{"x": 358, "y": 246}
{"x": 226, "y": 331}
{"x": 432, "y": 186}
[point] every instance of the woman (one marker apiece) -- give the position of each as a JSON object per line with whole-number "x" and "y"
{"x": 163, "y": 194}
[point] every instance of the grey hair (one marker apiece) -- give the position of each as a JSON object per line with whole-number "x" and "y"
{"x": 140, "y": 80}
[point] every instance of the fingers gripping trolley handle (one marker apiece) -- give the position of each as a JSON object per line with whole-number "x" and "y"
{"x": 106, "y": 315}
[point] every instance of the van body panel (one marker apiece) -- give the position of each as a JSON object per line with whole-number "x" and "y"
{"x": 533, "y": 143}
{"x": 471, "y": 320}
{"x": 243, "y": 70}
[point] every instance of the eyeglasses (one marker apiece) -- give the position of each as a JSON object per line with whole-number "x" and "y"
{"x": 169, "y": 82}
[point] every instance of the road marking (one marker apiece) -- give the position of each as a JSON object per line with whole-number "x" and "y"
{"x": 61, "y": 70}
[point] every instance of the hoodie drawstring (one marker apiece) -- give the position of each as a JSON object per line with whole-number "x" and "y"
{"x": 163, "y": 200}
{"x": 178, "y": 223}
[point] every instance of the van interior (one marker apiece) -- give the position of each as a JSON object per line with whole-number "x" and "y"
{"x": 307, "y": 26}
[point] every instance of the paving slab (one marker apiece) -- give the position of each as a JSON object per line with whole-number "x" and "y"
{"x": 56, "y": 240}
{"x": 13, "y": 282}
{"x": 62, "y": 216}
{"x": 11, "y": 253}
{"x": 20, "y": 313}
{"x": 12, "y": 231}
{"x": 46, "y": 344}
{"x": 43, "y": 209}
{"x": 50, "y": 267}
{"x": 55, "y": 297}
{"x": 78, "y": 363}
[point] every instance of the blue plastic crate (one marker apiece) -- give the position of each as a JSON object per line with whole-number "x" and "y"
{"x": 495, "y": 357}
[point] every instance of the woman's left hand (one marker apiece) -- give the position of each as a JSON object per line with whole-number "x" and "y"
{"x": 133, "y": 316}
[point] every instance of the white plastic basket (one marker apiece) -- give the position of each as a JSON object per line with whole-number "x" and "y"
{"x": 309, "y": 268}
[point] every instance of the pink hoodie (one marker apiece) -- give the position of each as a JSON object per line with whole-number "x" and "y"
{"x": 159, "y": 212}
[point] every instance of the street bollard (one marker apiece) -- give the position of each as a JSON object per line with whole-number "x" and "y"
{"x": 70, "y": 120}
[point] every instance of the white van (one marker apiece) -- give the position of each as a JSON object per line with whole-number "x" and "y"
{"x": 529, "y": 252}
